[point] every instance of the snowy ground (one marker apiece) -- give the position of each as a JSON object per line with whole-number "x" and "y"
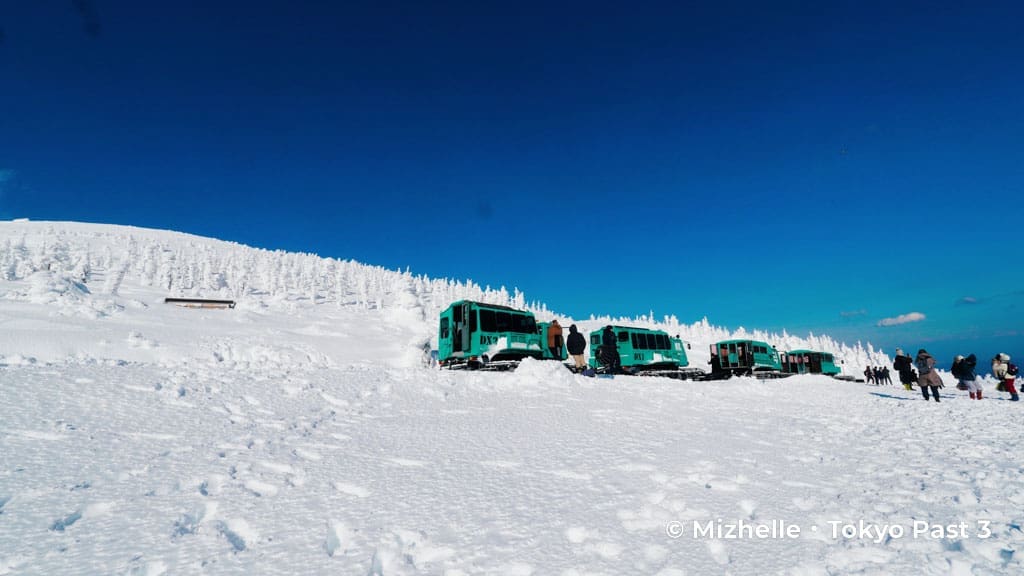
{"x": 136, "y": 469}
{"x": 294, "y": 436}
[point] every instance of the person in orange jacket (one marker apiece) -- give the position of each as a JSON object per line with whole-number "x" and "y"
{"x": 555, "y": 339}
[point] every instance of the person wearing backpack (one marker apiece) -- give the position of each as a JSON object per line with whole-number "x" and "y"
{"x": 929, "y": 377}
{"x": 1005, "y": 373}
{"x": 904, "y": 367}
{"x": 963, "y": 369}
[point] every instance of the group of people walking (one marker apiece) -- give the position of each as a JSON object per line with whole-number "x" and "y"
{"x": 879, "y": 375}
{"x": 963, "y": 369}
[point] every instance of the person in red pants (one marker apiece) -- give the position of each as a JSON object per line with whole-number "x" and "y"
{"x": 1005, "y": 373}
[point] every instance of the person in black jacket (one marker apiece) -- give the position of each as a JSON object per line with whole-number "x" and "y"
{"x": 964, "y": 370}
{"x": 905, "y": 366}
{"x": 576, "y": 344}
{"x": 610, "y": 351}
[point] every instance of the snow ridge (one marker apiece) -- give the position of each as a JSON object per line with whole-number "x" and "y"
{"x": 78, "y": 263}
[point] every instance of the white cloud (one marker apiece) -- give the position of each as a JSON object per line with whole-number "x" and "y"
{"x": 902, "y": 319}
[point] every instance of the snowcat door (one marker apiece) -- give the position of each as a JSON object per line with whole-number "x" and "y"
{"x": 468, "y": 327}
{"x": 815, "y": 367}
{"x": 458, "y": 328}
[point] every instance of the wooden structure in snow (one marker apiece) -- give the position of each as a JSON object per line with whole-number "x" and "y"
{"x": 200, "y": 303}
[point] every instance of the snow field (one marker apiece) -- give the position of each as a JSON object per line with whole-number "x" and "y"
{"x": 133, "y": 469}
{"x": 300, "y": 432}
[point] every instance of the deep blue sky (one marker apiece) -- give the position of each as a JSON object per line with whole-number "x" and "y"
{"x": 813, "y": 166}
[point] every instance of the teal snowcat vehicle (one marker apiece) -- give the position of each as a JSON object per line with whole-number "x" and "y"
{"x": 809, "y": 362}
{"x": 643, "y": 352}
{"x": 476, "y": 335}
{"x": 745, "y": 358}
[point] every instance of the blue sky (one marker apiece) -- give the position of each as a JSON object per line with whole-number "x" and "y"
{"x": 813, "y": 166}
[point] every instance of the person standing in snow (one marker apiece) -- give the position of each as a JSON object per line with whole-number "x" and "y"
{"x": 610, "y": 350}
{"x": 904, "y": 367}
{"x": 576, "y": 344}
{"x": 868, "y": 375}
{"x": 716, "y": 365}
{"x": 956, "y": 371}
{"x": 886, "y": 376}
{"x": 929, "y": 377}
{"x": 555, "y": 339}
{"x": 963, "y": 369}
{"x": 1001, "y": 370}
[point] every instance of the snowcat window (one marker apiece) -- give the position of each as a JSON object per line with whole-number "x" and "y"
{"x": 663, "y": 342}
{"x": 487, "y": 321}
{"x": 623, "y": 336}
{"x": 523, "y": 324}
{"x": 504, "y": 321}
{"x": 444, "y": 327}
{"x": 636, "y": 341}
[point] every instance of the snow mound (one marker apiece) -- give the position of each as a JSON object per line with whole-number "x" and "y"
{"x": 543, "y": 373}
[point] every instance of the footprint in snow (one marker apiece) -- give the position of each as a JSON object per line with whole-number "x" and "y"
{"x": 276, "y": 467}
{"x": 189, "y": 522}
{"x": 91, "y": 511}
{"x": 340, "y": 538}
{"x": 261, "y": 488}
{"x": 238, "y": 533}
{"x": 351, "y": 490}
{"x": 66, "y": 522}
{"x": 307, "y": 454}
{"x": 212, "y": 486}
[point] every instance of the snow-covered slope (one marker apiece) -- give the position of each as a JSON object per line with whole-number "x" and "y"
{"x": 300, "y": 433}
{"x": 120, "y": 275}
